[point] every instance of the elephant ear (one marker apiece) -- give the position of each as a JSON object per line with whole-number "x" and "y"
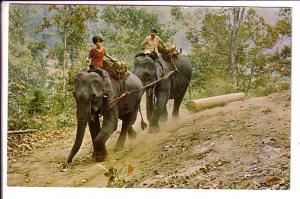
{"x": 97, "y": 87}
{"x": 107, "y": 87}
{"x": 159, "y": 70}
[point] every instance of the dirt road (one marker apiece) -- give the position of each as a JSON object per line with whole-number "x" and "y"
{"x": 243, "y": 145}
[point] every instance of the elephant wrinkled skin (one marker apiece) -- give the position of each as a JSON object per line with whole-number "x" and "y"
{"x": 93, "y": 94}
{"x": 149, "y": 70}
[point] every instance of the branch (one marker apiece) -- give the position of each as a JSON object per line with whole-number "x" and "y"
{"x": 22, "y": 131}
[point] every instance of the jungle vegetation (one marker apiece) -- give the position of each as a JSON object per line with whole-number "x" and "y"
{"x": 232, "y": 50}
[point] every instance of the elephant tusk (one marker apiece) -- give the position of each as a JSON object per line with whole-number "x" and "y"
{"x": 105, "y": 96}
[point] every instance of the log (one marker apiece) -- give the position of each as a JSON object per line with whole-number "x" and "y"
{"x": 22, "y": 131}
{"x": 210, "y": 102}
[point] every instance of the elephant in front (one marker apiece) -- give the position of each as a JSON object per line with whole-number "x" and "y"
{"x": 94, "y": 94}
{"x": 150, "y": 68}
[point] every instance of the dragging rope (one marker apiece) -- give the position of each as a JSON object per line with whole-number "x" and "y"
{"x": 118, "y": 99}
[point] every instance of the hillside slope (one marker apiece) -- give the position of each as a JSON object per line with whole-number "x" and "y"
{"x": 243, "y": 145}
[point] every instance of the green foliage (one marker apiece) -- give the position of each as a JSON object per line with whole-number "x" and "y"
{"x": 64, "y": 120}
{"x": 36, "y": 102}
{"x": 125, "y": 28}
{"x": 256, "y": 71}
{"x": 26, "y": 71}
{"x": 114, "y": 179}
{"x": 70, "y": 23}
{"x": 48, "y": 46}
{"x": 176, "y": 13}
{"x": 284, "y": 25}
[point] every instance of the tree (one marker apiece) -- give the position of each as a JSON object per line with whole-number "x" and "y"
{"x": 124, "y": 29}
{"x": 25, "y": 67}
{"x": 238, "y": 14}
{"x": 235, "y": 46}
{"x": 70, "y": 23}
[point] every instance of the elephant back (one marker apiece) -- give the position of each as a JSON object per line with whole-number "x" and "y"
{"x": 184, "y": 65}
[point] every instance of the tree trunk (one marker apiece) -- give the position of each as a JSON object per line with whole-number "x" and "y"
{"x": 251, "y": 75}
{"x": 237, "y": 18}
{"x": 64, "y": 66}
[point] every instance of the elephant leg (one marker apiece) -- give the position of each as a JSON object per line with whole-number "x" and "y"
{"x": 131, "y": 132}
{"x": 122, "y": 138}
{"x": 164, "y": 115}
{"x": 177, "y": 103}
{"x": 110, "y": 123}
{"x": 95, "y": 128}
{"x": 149, "y": 105}
{"x": 162, "y": 99}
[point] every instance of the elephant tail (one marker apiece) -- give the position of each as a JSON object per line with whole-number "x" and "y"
{"x": 143, "y": 123}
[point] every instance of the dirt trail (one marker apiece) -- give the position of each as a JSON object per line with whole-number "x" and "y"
{"x": 243, "y": 145}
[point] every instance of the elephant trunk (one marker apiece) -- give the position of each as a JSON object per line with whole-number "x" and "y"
{"x": 82, "y": 120}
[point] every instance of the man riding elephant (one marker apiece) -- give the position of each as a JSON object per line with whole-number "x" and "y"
{"x": 100, "y": 93}
{"x": 152, "y": 42}
{"x": 152, "y": 68}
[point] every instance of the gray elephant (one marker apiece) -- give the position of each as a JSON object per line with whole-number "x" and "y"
{"x": 150, "y": 68}
{"x": 94, "y": 94}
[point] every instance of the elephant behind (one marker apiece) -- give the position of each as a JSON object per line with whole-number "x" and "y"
{"x": 150, "y": 68}
{"x": 94, "y": 93}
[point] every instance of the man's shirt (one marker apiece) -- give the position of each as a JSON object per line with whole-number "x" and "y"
{"x": 151, "y": 44}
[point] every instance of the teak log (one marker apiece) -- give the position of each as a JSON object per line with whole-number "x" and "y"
{"x": 210, "y": 102}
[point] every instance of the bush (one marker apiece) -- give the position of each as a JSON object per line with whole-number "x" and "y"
{"x": 64, "y": 120}
{"x": 37, "y": 102}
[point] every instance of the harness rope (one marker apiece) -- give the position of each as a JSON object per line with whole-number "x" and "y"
{"x": 118, "y": 99}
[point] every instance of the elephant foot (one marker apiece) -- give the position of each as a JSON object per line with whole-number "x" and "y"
{"x": 132, "y": 134}
{"x": 118, "y": 147}
{"x": 100, "y": 156}
{"x": 163, "y": 119}
{"x": 153, "y": 130}
{"x": 175, "y": 118}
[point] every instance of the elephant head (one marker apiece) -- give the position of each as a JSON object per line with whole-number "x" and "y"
{"x": 90, "y": 93}
{"x": 147, "y": 69}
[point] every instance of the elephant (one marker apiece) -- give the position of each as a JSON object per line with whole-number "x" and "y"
{"x": 94, "y": 93}
{"x": 150, "y": 68}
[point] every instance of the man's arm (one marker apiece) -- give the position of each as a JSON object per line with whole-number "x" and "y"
{"x": 161, "y": 42}
{"x": 106, "y": 55}
{"x": 145, "y": 41}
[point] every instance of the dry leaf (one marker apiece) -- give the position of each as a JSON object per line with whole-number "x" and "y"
{"x": 130, "y": 170}
{"x": 20, "y": 86}
{"x": 273, "y": 181}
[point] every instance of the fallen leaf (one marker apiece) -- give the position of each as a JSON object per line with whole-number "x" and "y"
{"x": 28, "y": 180}
{"x": 218, "y": 185}
{"x": 273, "y": 181}
{"x": 19, "y": 86}
{"x": 130, "y": 170}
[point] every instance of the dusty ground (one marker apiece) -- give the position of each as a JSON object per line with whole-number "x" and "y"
{"x": 243, "y": 145}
